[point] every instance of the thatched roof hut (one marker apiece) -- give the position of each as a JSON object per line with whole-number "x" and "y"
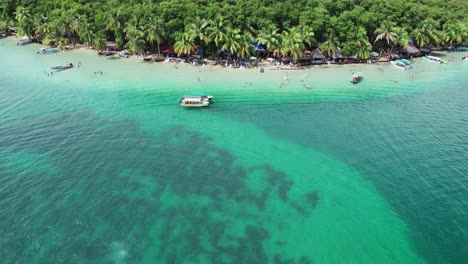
{"x": 409, "y": 51}
{"x": 317, "y": 55}
{"x": 338, "y": 56}
{"x": 111, "y": 45}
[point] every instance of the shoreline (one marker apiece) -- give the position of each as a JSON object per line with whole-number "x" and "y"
{"x": 209, "y": 63}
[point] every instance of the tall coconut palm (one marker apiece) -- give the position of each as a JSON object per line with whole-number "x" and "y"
{"x": 184, "y": 44}
{"x": 426, "y": 33}
{"x": 245, "y": 45}
{"x": 42, "y": 25}
{"x": 307, "y": 35}
{"x": 454, "y": 32}
{"x": 269, "y": 37}
{"x": 386, "y": 32}
{"x": 231, "y": 41}
{"x": 199, "y": 30}
{"x": 155, "y": 31}
{"x": 217, "y": 31}
{"x": 136, "y": 39}
{"x": 99, "y": 41}
{"x": 293, "y": 41}
{"x": 330, "y": 46}
{"x": 363, "y": 48}
{"x": 115, "y": 22}
{"x": 86, "y": 34}
{"x": 401, "y": 39}
{"x": 280, "y": 49}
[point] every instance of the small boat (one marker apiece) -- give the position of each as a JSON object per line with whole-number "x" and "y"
{"x": 2, "y": 35}
{"x": 433, "y": 58}
{"x": 148, "y": 58}
{"x": 356, "y": 78}
{"x": 399, "y": 65}
{"x": 24, "y": 41}
{"x": 195, "y": 99}
{"x": 123, "y": 55}
{"x": 465, "y": 58}
{"x": 406, "y": 62}
{"x": 64, "y": 67}
{"x": 47, "y": 50}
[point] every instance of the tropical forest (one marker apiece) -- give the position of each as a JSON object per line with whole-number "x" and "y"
{"x": 284, "y": 28}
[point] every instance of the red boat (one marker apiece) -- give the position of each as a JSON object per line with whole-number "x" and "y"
{"x": 64, "y": 67}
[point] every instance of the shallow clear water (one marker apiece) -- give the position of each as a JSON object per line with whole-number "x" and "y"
{"x": 108, "y": 169}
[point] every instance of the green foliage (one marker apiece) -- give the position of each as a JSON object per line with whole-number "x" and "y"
{"x": 286, "y": 27}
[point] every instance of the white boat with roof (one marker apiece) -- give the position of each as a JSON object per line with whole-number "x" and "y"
{"x": 195, "y": 99}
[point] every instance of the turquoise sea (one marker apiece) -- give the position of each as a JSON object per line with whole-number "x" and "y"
{"x": 109, "y": 169}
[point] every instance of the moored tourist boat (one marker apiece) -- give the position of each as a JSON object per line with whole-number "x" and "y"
{"x": 24, "y": 41}
{"x": 195, "y": 99}
{"x": 63, "y": 67}
{"x": 123, "y": 55}
{"x": 406, "y": 62}
{"x": 433, "y": 58}
{"x": 356, "y": 78}
{"x": 47, "y": 50}
{"x": 148, "y": 58}
{"x": 400, "y": 65}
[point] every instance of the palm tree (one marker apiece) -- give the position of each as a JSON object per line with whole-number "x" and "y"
{"x": 231, "y": 41}
{"x": 245, "y": 45}
{"x": 363, "y": 48}
{"x": 307, "y": 35}
{"x": 199, "y": 30}
{"x": 269, "y": 37}
{"x": 293, "y": 42}
{"x": 281, "y": 49}
{"x": 184, "y": 44}
{"x": 420, "y": 37}
{"x": 426, "y": 33}
{"x": 99, "y": 41}
{"x": 454, "y": 32}
{"x": 115, "y": 22}
{"x": 386, "y": 32}
{"x": 86, "y": 34}
{"x": 330, "y": 46}
{"x": 42, "y": 25}
{"x": 136, "y": 39}
{"x": 155, "y": 31}
{"x": 217, "y": 32}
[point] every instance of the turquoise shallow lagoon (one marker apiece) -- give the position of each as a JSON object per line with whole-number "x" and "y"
{"x": 109, "y": 169}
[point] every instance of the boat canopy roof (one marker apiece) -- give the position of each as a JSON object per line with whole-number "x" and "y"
{"x": 198, "y": 93}
{"x": 192, "y": 96}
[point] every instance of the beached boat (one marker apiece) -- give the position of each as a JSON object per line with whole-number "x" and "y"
{"x": 356, "y": 78}
{"x": 47, "y": 50}
{"x": 24, "y": 41}
{"x": 406, "y": 62}
{"x": 195, "y": 99}
{"x": 402, "y": 64}
{"x": 63, "y": 67}
{"x": 123, "y": 55}
{"x": 2, "y": 35}
{"x": 399, "y": 65}
{"x": 148, "y": 58}
{"x": 433, "y": 58}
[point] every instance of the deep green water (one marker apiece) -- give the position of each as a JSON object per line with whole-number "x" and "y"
{"x": 108, "y": 169}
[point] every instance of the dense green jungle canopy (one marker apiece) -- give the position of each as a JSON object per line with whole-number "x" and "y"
{"x": 285, "y": 27}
